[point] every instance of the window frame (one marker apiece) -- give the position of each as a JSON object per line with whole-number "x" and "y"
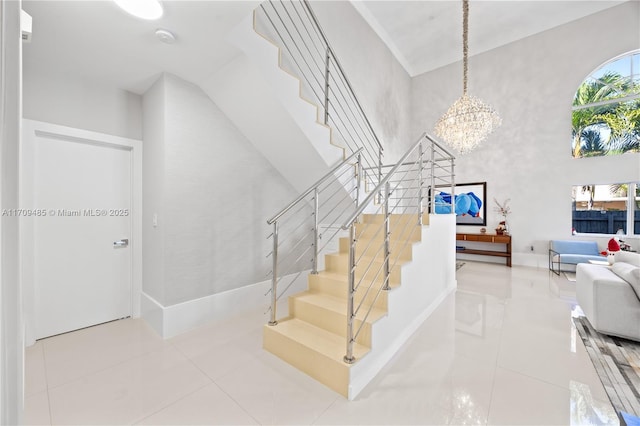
{"x": 631, "y": 94}
{"x": 633, "y": 187}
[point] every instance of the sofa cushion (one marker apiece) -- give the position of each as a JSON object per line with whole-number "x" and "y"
{"x": 576, "y": 258}
{"x": 575, "y": 247}
{"x": 629, "y": 273}
{"x": 628, "y": 257}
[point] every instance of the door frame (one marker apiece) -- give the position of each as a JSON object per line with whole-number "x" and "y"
{"x": 32, "y": 129}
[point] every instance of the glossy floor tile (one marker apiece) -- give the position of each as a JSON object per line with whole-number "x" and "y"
{"x": 502, "y": 350}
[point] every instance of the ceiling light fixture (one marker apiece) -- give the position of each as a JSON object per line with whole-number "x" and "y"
{"x": 468, "y": 121}
{"x": 165, "y": 36}
{"x": 144, "y": 9}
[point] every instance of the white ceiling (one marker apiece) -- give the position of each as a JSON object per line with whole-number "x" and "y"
{"x": 425, "y": 35}
{"x": 98, "y": 41}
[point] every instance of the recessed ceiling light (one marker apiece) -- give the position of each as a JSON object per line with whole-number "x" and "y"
{"x": 144, "y": 9}
{"x": 165, "y": 36}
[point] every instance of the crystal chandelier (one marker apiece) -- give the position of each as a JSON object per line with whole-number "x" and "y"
{"x": 469, "y": 120}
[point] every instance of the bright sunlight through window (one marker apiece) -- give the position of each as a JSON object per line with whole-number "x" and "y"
{"x": 606, "y": 109}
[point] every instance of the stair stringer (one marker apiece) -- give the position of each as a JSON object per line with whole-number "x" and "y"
{"x": 262, "y": 58}
{"x": 258, "y": 47}
{"x": 264, "y": 103}
{"x": 426, "y": 281}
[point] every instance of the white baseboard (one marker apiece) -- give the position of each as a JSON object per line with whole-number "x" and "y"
{"x": 534, "y": 260}
{"x": 169, "y": 321}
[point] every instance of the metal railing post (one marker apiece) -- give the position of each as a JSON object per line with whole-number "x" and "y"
{"x": 453, "y": 188}
{"x": 349, "y": 358}
{"x": 379, "y": 174}
{"x": 387, "y": 233}
{"x": 274, "y": 278}
{"x": 420, "y": 155}
{"x": 316, "y": 234}
{"x": 358, "y": 177}
{"x": 327, "y": 66}
{"x": 433, "y": 180}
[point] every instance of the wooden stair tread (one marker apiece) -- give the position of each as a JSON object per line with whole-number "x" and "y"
{"x": 376, "y": 217}
{"x": 380, "y": 239}
{"x": 317, "y": 339}
{"x": 379, "y": 236}
{"x": 334, "y": 276}
{"x": 342, "y": 277}
{"x": 339, "y": 305}
{"x": 365, "y": 260}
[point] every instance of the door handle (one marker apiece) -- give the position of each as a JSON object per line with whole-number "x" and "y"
{"x": 122, "y": 243}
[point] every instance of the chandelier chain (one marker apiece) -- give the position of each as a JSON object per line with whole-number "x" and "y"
{"x": 465, "y": 44}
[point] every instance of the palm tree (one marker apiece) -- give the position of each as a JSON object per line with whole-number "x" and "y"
{"x": 618, "y": 118}
{"x": 619, "y": 189}
{"x": 592, "y": 193}
{"x": 592, "y": 143}
{"x": 625, "y": 128}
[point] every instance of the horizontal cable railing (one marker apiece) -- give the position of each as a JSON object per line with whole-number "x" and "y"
{"x": 398, "y": 195}
{"x": 293, "y": 26}
{"x": 395, "y": 206}
{"x": 306, "y": 226}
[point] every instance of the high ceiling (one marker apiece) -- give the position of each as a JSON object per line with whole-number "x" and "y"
{"x": 96, "y": 40}
{"x": 425, "y": 35}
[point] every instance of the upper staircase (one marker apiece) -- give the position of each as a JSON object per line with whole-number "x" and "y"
{"x": 289, "y": 95}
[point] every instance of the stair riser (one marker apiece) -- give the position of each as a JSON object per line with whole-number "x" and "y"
{"x": 328, "y": 320}
{"x": 397, "y": 248}
{"x": 331, "y": 373}
{"x": 411, "y": 232}
{"x": 339, "y": 289}
{"x": 395, "y": 220}
{"x": 339, "y": 265}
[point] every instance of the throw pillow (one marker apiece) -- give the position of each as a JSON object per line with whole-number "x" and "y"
{"x": 630, "y": 274}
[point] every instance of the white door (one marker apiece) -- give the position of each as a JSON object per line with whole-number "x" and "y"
{"x": 82, "y": 272}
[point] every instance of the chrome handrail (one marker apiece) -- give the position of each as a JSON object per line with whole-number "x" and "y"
{"x": 382, "y": 182}
{"x": 404, "y": 183}
{"x": 313, "y": 187}
{"x": 309, "y": 213}
{"x": 295, "y": 28}
{"x": 344, "y": 74}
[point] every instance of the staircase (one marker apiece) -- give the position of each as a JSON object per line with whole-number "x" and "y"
{"x": 392, "y": 270}
{"x": 377, "y": 264}
{"x": 312, "y": 337}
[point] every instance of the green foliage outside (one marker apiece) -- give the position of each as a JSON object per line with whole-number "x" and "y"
{"x": 606, "y": 129}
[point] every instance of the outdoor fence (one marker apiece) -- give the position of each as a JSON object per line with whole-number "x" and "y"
{"x": 603, "y": 222}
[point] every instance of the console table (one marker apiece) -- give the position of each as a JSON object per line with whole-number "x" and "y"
{"x": 504, "y": 240}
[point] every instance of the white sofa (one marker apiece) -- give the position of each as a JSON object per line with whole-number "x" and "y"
{"x": 607, "y": 295}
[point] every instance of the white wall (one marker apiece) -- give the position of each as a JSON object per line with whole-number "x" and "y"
{"x": 81, "y": 103}
{"x": 11, "y": 324}
{"x": 380, "y": 82}
{"x": 531, "y": 84}
{"x": 153, "y": 166}
{"x": 217, "y": 192}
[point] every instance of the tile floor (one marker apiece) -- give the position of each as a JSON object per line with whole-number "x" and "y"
{"x": 500, "y": 351}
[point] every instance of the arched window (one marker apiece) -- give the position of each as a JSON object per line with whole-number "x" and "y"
{"x": 606, "y": 109}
